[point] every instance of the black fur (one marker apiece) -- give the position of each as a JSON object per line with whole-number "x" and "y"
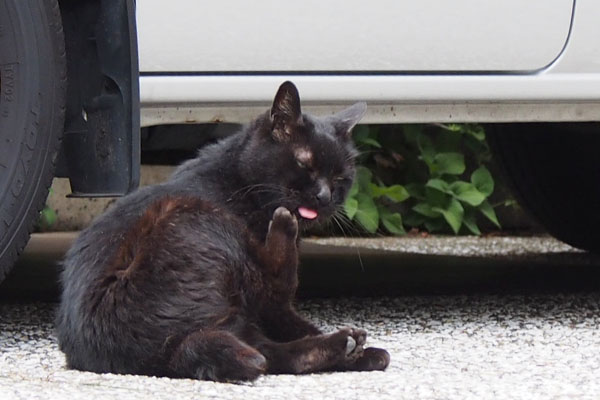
{"x": 195, "y": 277}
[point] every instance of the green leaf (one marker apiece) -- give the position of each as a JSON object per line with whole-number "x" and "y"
{"x": 363, "y": 178}
{"x": 416, "y": 190}
{"x": 48, "y": 216}
{"x": 375, "y": 190}
{"x": 435, "y": 225}
{"x": 453, "y": 127}
{"x": 453, "y": 214}
{"x": 470, "y": 221}
{"x": 483, "y": 181}
{"x": 426, "y": 210}
{"x": 360, "y": 132}
{"x": 436, "y": 198}
{"x": 350, "y": 207}
{"x": 449, "y": 163}
{"x": 370, "y": 142}
{"x": 476, "y": 131}
{"x": 427, "y": 150}
{"x": 353, "y": 189}
{"x": 395, "y": 193}
{"x": 392, "y": 222}
{"x": 366, "y": 213}
{"x": 439, "y": 184}
{"x": 487, "y": 210}
{"x": 413, "y": 219}
{"x": 465, "y": 191}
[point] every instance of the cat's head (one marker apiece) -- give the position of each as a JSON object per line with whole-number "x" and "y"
{"x": 299, "y": 161}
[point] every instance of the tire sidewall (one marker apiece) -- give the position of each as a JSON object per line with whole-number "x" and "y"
{"x": 553, "y": 172}
{"x": 33, "y": 91}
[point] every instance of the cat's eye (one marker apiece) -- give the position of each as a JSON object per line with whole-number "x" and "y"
{"x": 300, "y": 164}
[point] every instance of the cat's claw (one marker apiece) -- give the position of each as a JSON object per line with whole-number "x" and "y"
{"x": 350, "y": 345}
{"x": 354, "y": 343}
{"x": 359, "y": 358}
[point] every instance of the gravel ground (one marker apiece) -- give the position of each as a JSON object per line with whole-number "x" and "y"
{"x": 442, "y": 347}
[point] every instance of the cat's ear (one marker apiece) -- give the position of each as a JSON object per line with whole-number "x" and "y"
{"x": 346, "y": 119}
{"x": 285, "y": 112}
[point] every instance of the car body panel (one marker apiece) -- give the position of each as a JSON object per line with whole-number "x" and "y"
{"x": 342, "y": 35}
{"x": 566, "y": 90}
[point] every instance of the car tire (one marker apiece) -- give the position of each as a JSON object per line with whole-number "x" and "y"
{"x": 555, "y": 175}
{"x": 32, "y": 109}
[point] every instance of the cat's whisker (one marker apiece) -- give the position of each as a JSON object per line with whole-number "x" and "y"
{"x": 249, "y": 188}
{"x": 350, "y": 229}
{"x": 361, "y": 152}
{"x": 263, "y": 191}
{"x": 362, "y": 266}
{"x": 264, "y": 187}
{"x": 340, "y": 216}
{"x": 276, "y": 202}
{"x": 337, "y": 222}
{"x": 343, "y": 218}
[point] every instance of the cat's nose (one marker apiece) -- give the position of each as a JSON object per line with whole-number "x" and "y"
{"x": 324, "y": 195}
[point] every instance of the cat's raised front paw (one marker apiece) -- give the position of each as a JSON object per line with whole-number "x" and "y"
{"x": 284, "y": 221}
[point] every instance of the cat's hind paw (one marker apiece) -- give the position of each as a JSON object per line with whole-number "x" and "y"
{"x": 350, "y": 341}
{"x": 355, "y": 342}
{"x": 356, "y": 357}
{"x": 372, "y": 359}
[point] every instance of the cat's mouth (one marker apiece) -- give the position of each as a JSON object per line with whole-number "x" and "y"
{"x": 307, "y": 213}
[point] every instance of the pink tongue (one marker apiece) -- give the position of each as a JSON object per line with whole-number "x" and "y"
{"x": 307, "y": 213}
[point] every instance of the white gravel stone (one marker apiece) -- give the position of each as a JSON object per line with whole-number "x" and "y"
{"x": 442, "y": 347}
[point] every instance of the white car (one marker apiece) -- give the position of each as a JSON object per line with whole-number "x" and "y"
{"x": 529, "y": 68}
{"x": 412, "y": 61}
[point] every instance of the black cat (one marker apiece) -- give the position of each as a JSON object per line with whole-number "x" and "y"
{"x": 196, "y": 277}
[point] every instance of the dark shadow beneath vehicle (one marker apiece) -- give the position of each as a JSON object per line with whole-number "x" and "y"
{"x": 351, "y": 270}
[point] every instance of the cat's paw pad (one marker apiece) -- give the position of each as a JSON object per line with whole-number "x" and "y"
{"x": 284, "y": 221}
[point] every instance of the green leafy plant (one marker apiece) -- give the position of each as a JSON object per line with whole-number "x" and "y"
{"x": 369, "y": 199}
{"x": 48, "y": 216}
{"x": 447, "y": 184}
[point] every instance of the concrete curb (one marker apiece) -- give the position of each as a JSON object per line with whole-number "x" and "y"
{"x": 380, "y": 266}
{"x": 444, "y": 265}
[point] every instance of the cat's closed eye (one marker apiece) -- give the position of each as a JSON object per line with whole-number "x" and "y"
{"x": 301, "y": 164}
{"x": 342, "y": 179}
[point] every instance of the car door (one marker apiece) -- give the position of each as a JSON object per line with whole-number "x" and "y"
{"x": 383, "y": 36}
